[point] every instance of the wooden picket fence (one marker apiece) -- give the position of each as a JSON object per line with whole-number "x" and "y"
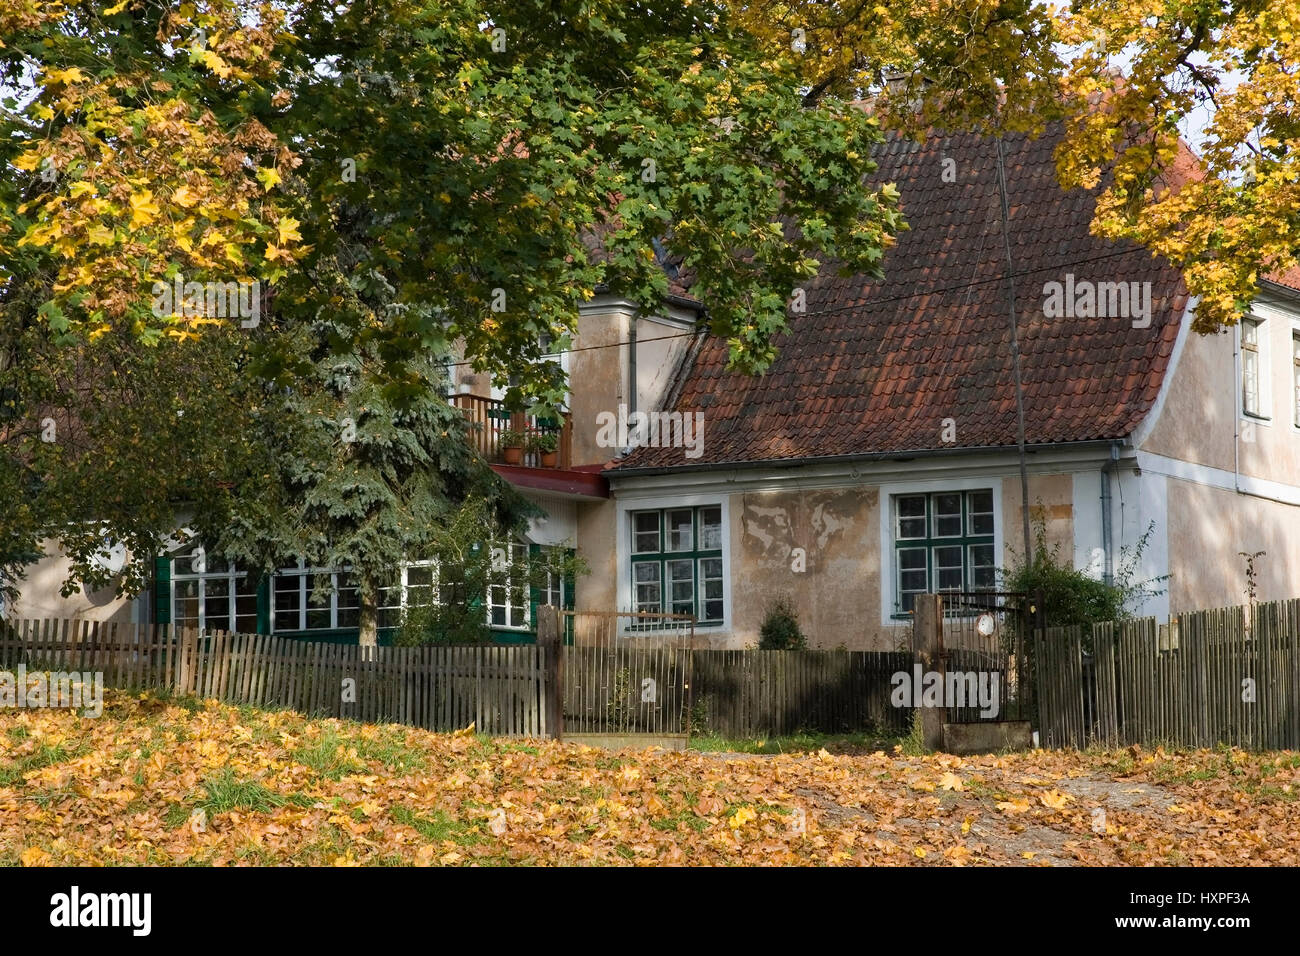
{"x": 1221, "y": 676}
{"x": 500, "y": 689}
{"x": 749, "y": 693}
{"x": 622, "y": 688}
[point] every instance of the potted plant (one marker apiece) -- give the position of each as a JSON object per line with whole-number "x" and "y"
{"x": 512, "y": 446}
{"x": 546, "y": 444}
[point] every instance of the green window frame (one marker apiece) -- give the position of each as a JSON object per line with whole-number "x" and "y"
{"x": 676, "y": 562}
{"x": 943, "y": 541}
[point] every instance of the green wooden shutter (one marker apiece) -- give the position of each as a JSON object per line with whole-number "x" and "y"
{"x": 162, "y": 590}
{"x": 264, "y": 605}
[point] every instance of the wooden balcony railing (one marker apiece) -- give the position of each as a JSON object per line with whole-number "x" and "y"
{"x": 489, "y": 419}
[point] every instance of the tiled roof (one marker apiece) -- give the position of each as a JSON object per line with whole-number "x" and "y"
{"x": 877, "y": 366}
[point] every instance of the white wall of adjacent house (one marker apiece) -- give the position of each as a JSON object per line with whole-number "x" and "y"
{"x": 1221, "y": 448}
{"x": 39, "y": 595}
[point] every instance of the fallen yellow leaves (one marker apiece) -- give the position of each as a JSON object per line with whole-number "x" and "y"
{"x": 155, "y": 783}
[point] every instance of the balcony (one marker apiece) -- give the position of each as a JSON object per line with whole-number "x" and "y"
{"x": 490, "y": 419}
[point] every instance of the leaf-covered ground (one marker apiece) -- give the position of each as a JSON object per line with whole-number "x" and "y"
{"x": 159, "y": 781}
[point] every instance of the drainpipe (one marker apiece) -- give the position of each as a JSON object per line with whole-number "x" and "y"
{"x": 631, "y": 364}
{"x": 1108, "y": 469}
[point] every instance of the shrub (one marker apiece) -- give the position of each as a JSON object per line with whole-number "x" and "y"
{"x": 1071, "y": 595}
{"x": 780, "y": 630}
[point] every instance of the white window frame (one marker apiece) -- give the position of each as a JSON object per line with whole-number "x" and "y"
{"x": 1264, "y": 415}
{"x": 509, "y": 586}
{"x": 624, "y": 507}
{"x": 232, "y": 575}
{"x": 1294, "y": 377}
{"x": 888, "y": 564}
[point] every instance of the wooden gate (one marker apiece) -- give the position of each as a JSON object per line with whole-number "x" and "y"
{"x": 986, "y": 636}
{"x": 626, "y": 677}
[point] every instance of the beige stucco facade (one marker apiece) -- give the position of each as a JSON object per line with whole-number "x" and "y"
{"x": 40, "y": 597}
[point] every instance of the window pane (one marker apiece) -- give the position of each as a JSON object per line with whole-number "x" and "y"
{"x": 947, "y": 515}
{"x": 1250, "y": 332}
{"x": 911, "y": 516}
{"x": 287, "y": 593}
{"x": 1250, "y": 381}
{"x": 983, "y": 576}
{"x": 347, "y": 600}
{"x": 947, "y": 568}
{"x": 645, "y": 579}
{"x": 711, "y": 588}
{"x": 912, "y": 575}
{"x": 185, "y": 610}
{"x": 645, "y": 532}
{"x": 681, "y": 530}
{"x": 681, "y": 587}
{"x": 216, "y": 603}
{"x": 419, "y": 586}
{"x": 711, "y": 528}
{"x": 245, "y": 605}
{"x": 979, "y": 510}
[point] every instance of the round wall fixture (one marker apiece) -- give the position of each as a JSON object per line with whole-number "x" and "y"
{"x": 986, "y": 625}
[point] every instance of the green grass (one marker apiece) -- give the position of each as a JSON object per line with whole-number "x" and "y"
{"x": 797, "y": 743}
{"x": 436, "y": 828}
{"x": 47, "y": 756}
{"x": 226, "y": 792}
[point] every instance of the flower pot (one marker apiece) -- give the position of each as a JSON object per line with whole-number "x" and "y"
{"x": 513, "y": 454}
{"x": 550, "y": 459}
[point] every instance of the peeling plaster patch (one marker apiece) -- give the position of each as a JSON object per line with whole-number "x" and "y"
{"x": 770, "y": 526}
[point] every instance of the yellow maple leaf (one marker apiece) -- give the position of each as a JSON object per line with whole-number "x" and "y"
{"x": 965, "y": 826}
{"x": 741, "y": 817}
{"x": 34, "y": 856}
{"x": 118, "y": 8}
{"x": 143, "y": 209}
{"x": 288, "y": 230}
{"x": 1055, "y": 799}
{"x": 1014, "y": 806}
{"x": 185, "y": 196}
{"x": 950, "y": 781}
{"x": 919, "y": 853}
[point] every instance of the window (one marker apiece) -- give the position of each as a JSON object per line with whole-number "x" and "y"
{"x": 210, "y": 593}
{"x": 1252, "y": 368}
{"x": 293, "y": 607}
{"x": 508, "y": 601}
{"x": 1295, "y": 373}
{"x": 942, "y": 542}
{"x": 677, "y": 562}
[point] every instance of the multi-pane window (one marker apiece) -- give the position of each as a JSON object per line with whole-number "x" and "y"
{"x": 508, "y": 600}
{"x": 1252, "y": 367}
{"x": 210, "y": 593}
{"x": 294, "y": 607}
{"x": 1295, "y": 373}
{"x": 296, "y": 604}
{"x": 677, "y": 562}
{"x": 942, "y": 542}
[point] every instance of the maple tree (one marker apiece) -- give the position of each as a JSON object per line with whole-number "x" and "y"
{"x": 511, "y": 158}
{"x": 1127, "y": 78}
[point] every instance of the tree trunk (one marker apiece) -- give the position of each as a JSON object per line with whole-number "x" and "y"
{"x": 368, "y": 616}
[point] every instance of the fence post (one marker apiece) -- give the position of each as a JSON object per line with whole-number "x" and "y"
{"x": 927, "y": 642}
{"x": 552, "y": 644}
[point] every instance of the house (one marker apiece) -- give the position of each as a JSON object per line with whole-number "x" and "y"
{"x": 878, "y": 456}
